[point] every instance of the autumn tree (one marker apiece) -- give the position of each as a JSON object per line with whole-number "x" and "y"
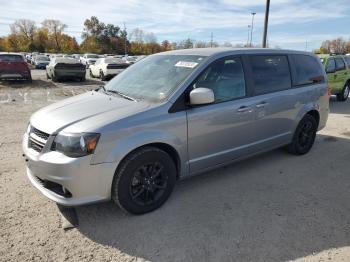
{"x": 2, "y": 44}
{"x": 55, "y": 29}
{"x": 336, "y": 46}
{"x": 22, "y": 33}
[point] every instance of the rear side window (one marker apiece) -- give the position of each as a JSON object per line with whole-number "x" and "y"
{"x": 347, "y": 60}
{"x": 270, "y": 74}
{"x": 340, "y": 65}
{"x": 11, "y": 58}
{"x": 307, "y": 70}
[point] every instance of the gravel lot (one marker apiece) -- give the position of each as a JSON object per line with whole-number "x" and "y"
{"x": 273, "y": 207}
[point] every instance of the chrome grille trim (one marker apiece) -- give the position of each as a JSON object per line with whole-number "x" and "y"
{"x": 37, "y": 139}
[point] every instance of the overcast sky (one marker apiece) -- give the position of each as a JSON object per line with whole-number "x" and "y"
{"x": 292, "y": 22}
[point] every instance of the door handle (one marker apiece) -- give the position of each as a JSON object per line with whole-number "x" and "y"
{"x": 262, "y": 104}
{"x": 244, "y": 109}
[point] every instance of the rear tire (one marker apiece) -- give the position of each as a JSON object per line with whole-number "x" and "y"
{"x": 144, "y": 180}
{"x": 343, "y": 96}
{"x": 304, "y": 136}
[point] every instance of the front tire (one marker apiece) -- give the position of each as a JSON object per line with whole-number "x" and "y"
{"x": 304, "y": 136}
{"x": 343, "y": 96}
{"x": 144, "y": 180}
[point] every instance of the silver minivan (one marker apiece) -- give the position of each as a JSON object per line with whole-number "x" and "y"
{"x": 170, "y": 116}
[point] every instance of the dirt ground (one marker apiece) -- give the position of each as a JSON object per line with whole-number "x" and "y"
{"x": 273, "y": 207}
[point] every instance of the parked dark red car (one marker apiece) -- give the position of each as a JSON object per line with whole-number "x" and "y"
{"x": 13, "y": 66}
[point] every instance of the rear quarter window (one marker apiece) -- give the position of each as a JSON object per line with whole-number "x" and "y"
{"x": 270, "y": 73}
{"x": 340, "y": 65}
{"x": 347, "y": 60}
{"x": 11, "y": 58}
{"x": 307, "y": 70}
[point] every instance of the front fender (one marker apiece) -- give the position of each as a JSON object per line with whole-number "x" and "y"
{"x": 129, "y": 143}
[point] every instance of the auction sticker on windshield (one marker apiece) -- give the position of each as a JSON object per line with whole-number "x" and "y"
{"x": 186, "y": 64}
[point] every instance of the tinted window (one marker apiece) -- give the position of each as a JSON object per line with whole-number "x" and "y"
{"x": 340, "y": 65}
{"x": 307, "y": 70}
{"x": 225, "y": 77}
{"x": 330, "y": 66}
{"x": 11, "y": 58}
{"x": 347, "y": 60}
{"x": 270, "y": 74}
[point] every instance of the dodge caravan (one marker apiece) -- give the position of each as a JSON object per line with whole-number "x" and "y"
{"x": 172, "y": 115}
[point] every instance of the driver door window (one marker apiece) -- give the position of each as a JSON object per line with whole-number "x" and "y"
{"x": 225, "y": 77}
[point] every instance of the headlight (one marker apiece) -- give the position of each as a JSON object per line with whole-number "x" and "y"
{"x": 75, "y": 145}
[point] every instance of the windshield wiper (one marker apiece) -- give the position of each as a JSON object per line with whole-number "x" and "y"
{"x": 122, "y": 95}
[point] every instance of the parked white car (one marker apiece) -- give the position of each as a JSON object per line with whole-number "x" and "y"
{"x": 88, "y": 59}
{"x": 106, "y": 68}
{"x": 130, "y": 59}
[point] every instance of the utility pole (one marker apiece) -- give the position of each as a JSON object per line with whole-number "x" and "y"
{"x": 125, "y": 40}
{"x": 248, "y": 35}
{"x": 211, "y": 39}
{"x": 267, "y": 11}
{"x": 252, "y": 27}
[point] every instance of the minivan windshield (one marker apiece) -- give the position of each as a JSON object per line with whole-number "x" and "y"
{"x": 155, "y": 77}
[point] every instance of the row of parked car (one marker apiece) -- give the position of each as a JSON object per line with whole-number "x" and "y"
{"x": 64, "y": 66}
{"x": 40, "y": 60}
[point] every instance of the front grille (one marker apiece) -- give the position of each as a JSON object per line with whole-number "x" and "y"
{"x": 54, "y": 187}
{"x": 36, "y": 146}
{"x": 37, "y": 139}
{"x": 39, "y": 133}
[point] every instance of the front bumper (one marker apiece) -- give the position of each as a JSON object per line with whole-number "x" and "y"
{"x": 68, "y": 181}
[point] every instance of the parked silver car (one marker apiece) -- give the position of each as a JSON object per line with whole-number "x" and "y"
{"x": 172, "y": 115}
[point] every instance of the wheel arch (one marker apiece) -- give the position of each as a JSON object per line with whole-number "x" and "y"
{"x": 315, "y": 114}
{"x": 311, "y": 109}
{"x": 170, "y": 150}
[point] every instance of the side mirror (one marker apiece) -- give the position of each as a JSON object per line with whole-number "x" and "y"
{"x": 201, "y": 96}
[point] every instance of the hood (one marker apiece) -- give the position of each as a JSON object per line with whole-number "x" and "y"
{"x": 85, "y": 113}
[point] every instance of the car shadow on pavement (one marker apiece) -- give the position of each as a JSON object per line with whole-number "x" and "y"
{"x": 272, "y": 207}
{"x": 72, "y": 82}
{"x": 37, "y": 83}
{"x": 337, "y": 107}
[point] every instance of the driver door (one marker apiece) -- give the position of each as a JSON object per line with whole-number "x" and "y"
{"x": 222, "y": 131}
